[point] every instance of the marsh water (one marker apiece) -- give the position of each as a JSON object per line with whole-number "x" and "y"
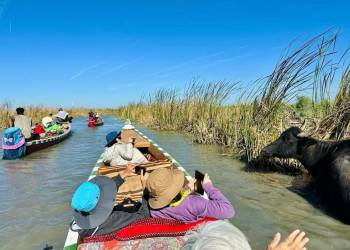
{"x": 35, "y": 192}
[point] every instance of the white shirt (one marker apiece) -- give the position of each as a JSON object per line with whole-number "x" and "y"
{"x": 25, "y": 124}
{"x": 122, "y": 154}
{"x": 62, "y": 114}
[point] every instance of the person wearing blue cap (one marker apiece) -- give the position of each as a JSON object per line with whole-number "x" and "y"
{"x": 118, "y": 153}
{"x": 93, "y": 206}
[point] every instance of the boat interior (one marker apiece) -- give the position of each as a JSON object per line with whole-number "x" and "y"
{"x": 132, "y": 189}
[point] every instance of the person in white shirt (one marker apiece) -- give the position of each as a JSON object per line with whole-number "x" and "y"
{"x": 23, "y": 122}
{"x": 62, "y": 116}
{"x": 118, "y": 153}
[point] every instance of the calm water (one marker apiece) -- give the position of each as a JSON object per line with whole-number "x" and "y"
{"x": 35, "y": 192}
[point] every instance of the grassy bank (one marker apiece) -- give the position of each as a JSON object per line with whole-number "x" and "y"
{"x": 297, "y": 92}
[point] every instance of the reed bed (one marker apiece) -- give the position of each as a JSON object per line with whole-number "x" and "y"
{"x": 261, "y": 112}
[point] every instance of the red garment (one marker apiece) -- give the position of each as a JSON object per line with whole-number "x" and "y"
{"x": 149, "y": 227}
{"x": 39, "y": 129}
{"x": 91, "y": 122}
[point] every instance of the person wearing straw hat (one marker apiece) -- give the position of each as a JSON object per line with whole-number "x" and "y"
{"x": 93, "y": 206}
{"x": 118, "y": 153}
{"x": 171, "y": 198}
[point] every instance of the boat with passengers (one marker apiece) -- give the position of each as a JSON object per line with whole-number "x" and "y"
{"x": 35, "y": 145}
{"x": 131, "y": 190}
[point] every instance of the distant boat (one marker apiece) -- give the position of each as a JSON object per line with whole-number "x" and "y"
{"x": 95, "y": 123}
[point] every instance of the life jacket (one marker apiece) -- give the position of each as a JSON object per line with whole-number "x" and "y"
{"x": 13, "y": 143}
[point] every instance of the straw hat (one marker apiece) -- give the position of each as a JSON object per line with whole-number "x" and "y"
{"x": 163, "y": 185}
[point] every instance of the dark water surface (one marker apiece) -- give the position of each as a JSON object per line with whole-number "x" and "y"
{"x": 35, "y": 192}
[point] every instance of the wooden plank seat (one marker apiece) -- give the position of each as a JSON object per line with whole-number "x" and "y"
{"x": 132, "y": 187}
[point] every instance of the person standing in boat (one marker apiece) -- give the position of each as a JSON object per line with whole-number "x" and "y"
{"x": 94, "y": 210}
{"x": 171, "y": 198}
{"x": 118, "y": 153}
{"x": 23, "y": 122}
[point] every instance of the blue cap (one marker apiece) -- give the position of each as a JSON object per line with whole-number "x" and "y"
{"x": 86, "y": 197}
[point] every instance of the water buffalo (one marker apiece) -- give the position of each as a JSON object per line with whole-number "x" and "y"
{"x": 327, "y": 161}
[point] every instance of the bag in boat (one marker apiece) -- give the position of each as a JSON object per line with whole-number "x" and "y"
{"x": 13, "y": 144}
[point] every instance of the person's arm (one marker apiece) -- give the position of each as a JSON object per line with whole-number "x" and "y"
{"x": 119, "y": 180}
{"x": 126, "y": 152}
{"x": 217, "y": 206}
{"x": 107, "y": 156}
{"x": 11, "y": 121}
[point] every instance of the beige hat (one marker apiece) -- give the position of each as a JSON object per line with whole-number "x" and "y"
{"x": 163, "y": 185}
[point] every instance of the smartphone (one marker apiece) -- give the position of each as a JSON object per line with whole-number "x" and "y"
{"x": 138, "y": 170}
{"x": 198, "y": 185}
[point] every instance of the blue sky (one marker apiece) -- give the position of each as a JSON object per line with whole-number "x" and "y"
{"x": 108, "y": 53}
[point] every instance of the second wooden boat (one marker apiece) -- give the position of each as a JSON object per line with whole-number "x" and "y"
{"x": 36, "y": 145}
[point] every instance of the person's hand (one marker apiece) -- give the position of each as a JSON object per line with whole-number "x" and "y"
{"x": 143, "y": 177}
{"x": 294, "y": 241}
{"x": 191, "y": 184}
{"x": 129, "y": 170}
{"x": 206, "y": 179}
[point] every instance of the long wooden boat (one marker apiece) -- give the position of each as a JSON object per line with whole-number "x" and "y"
{"x": 36, "y": 145}
{"x": 158, "y": 158}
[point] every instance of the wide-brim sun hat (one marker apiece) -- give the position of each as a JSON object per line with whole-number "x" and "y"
{"x": 111, "y": 138}
{"x": 99, "y": 208}
{"x": 163, "y": 185}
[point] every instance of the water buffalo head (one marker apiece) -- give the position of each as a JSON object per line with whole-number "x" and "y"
{"x": 288, "y": 145}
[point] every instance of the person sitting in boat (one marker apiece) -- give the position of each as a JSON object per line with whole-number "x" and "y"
{"x": 118, "y": 153}
{"x": 50, "y": 126}
{"x": 38, "y": 131}
{"x": 62, "y": 116}
{"x": 98, "y": 118}
{"x": 225, "y": 236}
{"x": 93, "y": 206}
{"x": 171, "y": 198}
{"x": 23, "y": 122}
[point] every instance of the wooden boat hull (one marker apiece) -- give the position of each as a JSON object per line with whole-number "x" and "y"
{"x": 36, "y": 145}
{"x": 142, "y": 142}
{"x": 96, "y": 124}
{"x": 99, "y": 124}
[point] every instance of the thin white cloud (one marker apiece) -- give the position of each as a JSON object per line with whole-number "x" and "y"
{"x": 118, "y": 67}
{"x": 183, "y": 64}
{"x": 83, "y": 71}
{"x": 166, "y": 71}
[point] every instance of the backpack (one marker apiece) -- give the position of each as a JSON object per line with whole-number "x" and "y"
{"x": 13, "y": 143}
